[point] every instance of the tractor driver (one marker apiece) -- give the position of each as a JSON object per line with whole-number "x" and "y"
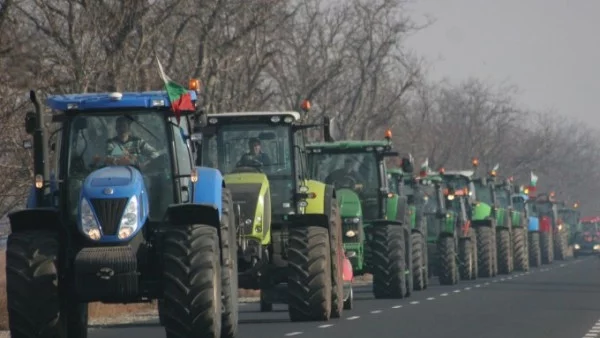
{"x": 256, "y": 153}
{"x": 125, "y": 148}
{"x": 339, "y": 176}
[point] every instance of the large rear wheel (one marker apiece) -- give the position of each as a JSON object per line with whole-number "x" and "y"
{"x": 389, "y": 261}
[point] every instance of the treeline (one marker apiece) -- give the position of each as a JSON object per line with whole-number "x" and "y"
{"x": 346, "y": 56}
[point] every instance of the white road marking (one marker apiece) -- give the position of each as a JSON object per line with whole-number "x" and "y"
{"x": 376, "y": 311}
{"x": 414, "y": 302}
{"x": 594, "y": 331}
{"x": 456, "y": 291}
{"x": 396, "y": 306}
{"x": 468, "y": 288}
{"x": 324, "y": 326}
{"x": 353, "y": 318}
{"x": 487, "y": 283}
{"x": 502, "y": 279}
{"x": 444, "y": 294}
{"x": 431, "y": 298}
{"x": 292, "y": 334}
{"x": 478, "y": 285}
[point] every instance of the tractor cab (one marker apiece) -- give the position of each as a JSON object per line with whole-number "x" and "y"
{"x": 356, "y": 168}
{"x": 547, "y": 211}
{"x": 587, "y": 237}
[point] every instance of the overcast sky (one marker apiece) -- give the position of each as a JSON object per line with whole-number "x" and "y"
{"x": 550, "y": 49}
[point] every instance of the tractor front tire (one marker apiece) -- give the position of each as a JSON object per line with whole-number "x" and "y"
{"x": 485, "y": 251}
{"x": 389, "y": 262}
{"x": 192, "y": 282}
{"x": 419, "y": 271}
{"x": 520, "y": 252}
{"x": 504, "y": 252}
{"x": 229, "y": 270}
{"x": 547, "y": 247}
{"x": 309, "y": 274}
{"x": 448, "y": 269}
{"x": 465, "y": 255}
{"x": 36, "y": 307}
{"x": 561, "y": 244}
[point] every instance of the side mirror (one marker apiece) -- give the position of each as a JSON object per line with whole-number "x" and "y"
{"x": 30, "y": 122}
{"x": 350, "y": 254}
{"x": 331, "y": 131}
{"x": 196, "y": 137}
{"x": 53, "y": 146}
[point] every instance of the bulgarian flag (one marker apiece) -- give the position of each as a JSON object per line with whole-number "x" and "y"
{"x": 424, "y": 168}
{"x": 534, "y": 179}
{"x": 179, "y": 97}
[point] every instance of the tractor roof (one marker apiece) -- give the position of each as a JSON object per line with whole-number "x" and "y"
{"x": 465, "y": 173}
{"x": 237, "y": 115}
{"x": 395, "y": 171}
{"x": 350, "y": 145}
{"x": 95, "y": 101}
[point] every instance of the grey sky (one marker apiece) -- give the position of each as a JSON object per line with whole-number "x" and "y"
{"x": 549, "y": 48}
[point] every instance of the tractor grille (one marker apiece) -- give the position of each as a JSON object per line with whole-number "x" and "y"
{"x": 354, "y": 227}
{"x": 433, "y": 225}
{"x": 246, "y": 202}
{"x": 109, "y": 213}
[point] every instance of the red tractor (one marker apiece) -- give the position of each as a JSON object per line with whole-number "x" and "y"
{"x": 553, "y": 233}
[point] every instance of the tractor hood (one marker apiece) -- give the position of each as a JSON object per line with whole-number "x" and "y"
{"x": 534, "y": 224}
{"x": 246, "y": 192}
{"x": 481, "y": 211}
{"x": 113, "y": 182}
{"x": 349, "y": 203}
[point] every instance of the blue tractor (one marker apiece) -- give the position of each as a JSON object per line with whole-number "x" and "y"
{"x": 119, "y": 214}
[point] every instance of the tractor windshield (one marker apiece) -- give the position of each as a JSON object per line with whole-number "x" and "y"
{"x": 589, "y": 227}
{"x": 456, "y": 182}
{"x": 570, "y": 217}
{"x": 503, "y": 197}
{"x": 483, "y": 193}
{"x": 544, "y": 208}
{"x": 518, "y": 203}
{"x": 357, "y": 171}
{"x": 139, "y": 139}
{"x": 255, "y": 147}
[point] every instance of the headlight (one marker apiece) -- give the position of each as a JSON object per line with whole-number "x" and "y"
{"x": 450, "y": 197}
{"x": 89, "y": 225}
{"x": 577, "y": 247}
{"x": 350, "y": 233}
{"x": 129, "y": 222}
{"x": 597, "y": 247}
{"x": 560, "y": 226}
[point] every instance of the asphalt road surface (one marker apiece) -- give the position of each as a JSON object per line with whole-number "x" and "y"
{"x": 561, "y": 300}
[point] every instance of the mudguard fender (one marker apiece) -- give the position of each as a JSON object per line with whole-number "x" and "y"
{"x": 320, "y": 220}
{"x": 35, "y": 219}
{"x": 380, "y": 222}
{"x": 208, "y": 190}
{"x": 316, "y": 205}
{"x": 194, "y": 213}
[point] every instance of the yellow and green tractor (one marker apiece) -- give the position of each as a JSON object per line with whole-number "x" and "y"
{"x": 289, "y": 226}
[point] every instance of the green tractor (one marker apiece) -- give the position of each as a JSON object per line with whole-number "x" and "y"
{"x": 377, "y": 236}
{"x": 521, "y": 214}
{"x": 417, "y": 194}
{"x": 571, "y": 218}
{"x": 451, "y": 240}
{"x": 486, "y": 218}
{"x": 289, "y": 226}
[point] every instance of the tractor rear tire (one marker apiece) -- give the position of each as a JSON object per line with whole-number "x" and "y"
{"x": 520, "y": 249}
{"x": 473, "y": 238}
{"x": 560, "y": 246}
{"x": 465, "y": 256}
{"x": 389, "y": 262}
{"x": 192, "y": 281}
{"x": 419, "y": 270}
{"x": 337, "y": 260}
{"x": 349, "y": 303}
{"x": 504, "y": 252}
{"x": 485, "y": 251}
{"x": 309, "y": 274}
{"x": 547, "y": 247}
{"x": 229, "y": 270}
{"x": 448, "y": 269}
{"x": 535, "y": 253}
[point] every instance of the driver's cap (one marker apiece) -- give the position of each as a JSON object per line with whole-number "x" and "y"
{"x": 254, "y": 141}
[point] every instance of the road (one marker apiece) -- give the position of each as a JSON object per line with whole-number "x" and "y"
{"x": 561, "y": 300}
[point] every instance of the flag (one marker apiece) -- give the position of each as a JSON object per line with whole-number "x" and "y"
{"x": 496, "y": 167}
{"x": 425, "y": 165}
{"x": 179, "y": 97}
{"x": 534, "y": 179}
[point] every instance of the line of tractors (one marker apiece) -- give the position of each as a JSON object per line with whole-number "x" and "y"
{"x": 133, "y": 203}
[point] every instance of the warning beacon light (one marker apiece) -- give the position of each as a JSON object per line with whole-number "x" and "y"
{"x": 194, "y": 84}
{"x": 388, "y": 134}
{"x": 305, "y": 106}
{"x": 475, "y": 162}
{"x": 442, "y": 170}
